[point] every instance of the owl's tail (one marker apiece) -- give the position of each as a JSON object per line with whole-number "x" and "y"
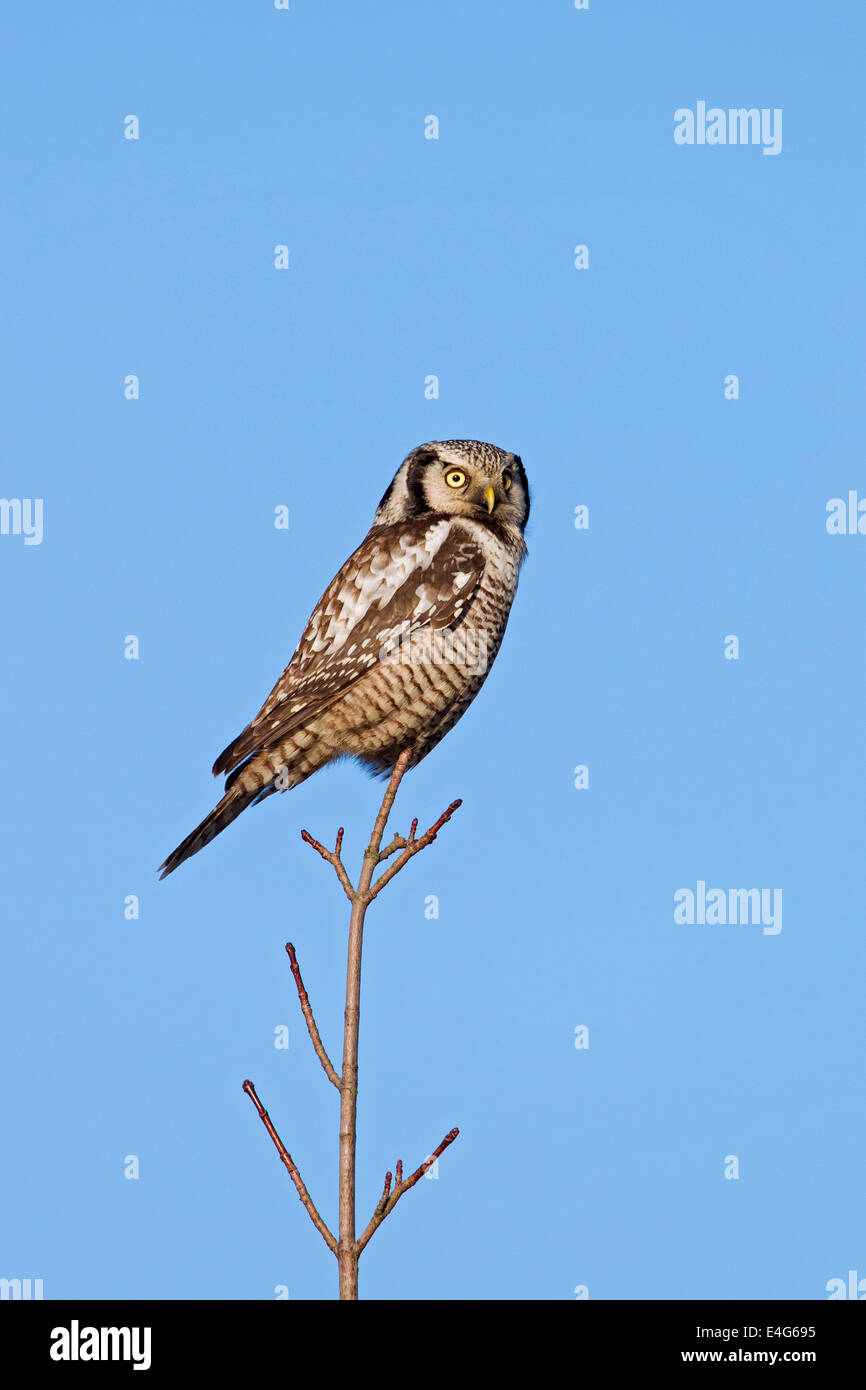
{"x": 236, "y": 799}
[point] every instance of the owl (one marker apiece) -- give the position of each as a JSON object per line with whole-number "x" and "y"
{"x": 403, "y": 637}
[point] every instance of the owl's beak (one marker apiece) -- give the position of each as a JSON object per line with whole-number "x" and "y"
{"x": 490, "y": 499}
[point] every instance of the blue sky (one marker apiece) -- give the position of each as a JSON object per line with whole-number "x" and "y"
{"x": 601, "y": 1167}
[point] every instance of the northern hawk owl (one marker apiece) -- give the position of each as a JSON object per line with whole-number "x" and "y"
{"x": 403, "y": 637}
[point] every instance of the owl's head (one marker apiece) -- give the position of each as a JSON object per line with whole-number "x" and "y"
{"x": 458, "y": 477}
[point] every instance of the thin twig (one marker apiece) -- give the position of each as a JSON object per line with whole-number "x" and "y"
{"x": 412, "y": 847}
{"x": 347, "y": 1255}
{"x": 388, "y": 1203}
{"x": 333, "y": 858}
{"x": 346, "y": 1248}
{"x": 398, "y": 842}
{"x": 292, "y": 1169}
{"x": 396, "y": 778}
{"x": 307, "y": 1011}
{"x": 385, "y": 1191}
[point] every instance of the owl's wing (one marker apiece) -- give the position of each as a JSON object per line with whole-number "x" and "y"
{"x": 401, "y": 578}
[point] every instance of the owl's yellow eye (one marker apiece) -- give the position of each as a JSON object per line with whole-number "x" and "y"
{"x": 455, "y": 477}
{"x": 506, "y": 481}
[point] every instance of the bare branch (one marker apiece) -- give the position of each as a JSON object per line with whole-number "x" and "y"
{"x": 347, "y": 1248}
{"x": 412, "y": 847}
{"x": 385, "y": 1191}
{"x": 347, "y": 1257}
{"x": 388, "y": 1203}
{"x": 397, "y": 776}
{"x": 398, "y": 842}
{"x": 333, "y": 858}
{"x": 307, "y": 1011}
{"x": 292, "y": 1169}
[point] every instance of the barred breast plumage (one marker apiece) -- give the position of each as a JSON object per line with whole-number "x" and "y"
{"x": 402, "y": 639}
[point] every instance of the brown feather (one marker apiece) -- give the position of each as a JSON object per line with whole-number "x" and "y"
{"x": 291, "y": 704}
